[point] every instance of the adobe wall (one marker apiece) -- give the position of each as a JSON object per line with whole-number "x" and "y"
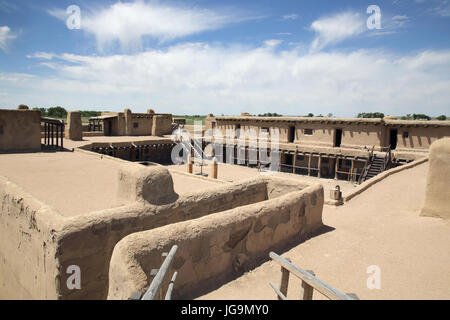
{"x": 20, "y": 130}
{"x": 216, "y": 248}
{"x": 420, "y": 137}
{"x": 162, "y": 124}
{"x": 49, "y": 243}
{"x": 74, "y": 128}
{"x": 28, "y": 268}
{"x": 437, "y": 194}
{"x": 357, "y": 133}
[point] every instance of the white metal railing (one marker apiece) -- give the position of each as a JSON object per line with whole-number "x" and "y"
{"x": 156, "y": 289}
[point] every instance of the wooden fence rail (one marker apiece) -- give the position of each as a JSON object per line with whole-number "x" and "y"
{"x": 309, "y": 282}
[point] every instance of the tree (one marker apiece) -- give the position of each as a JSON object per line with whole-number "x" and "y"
{"x": 42, "y": 110}
{"x": 310, "y": 115}
{"x": 441, "y": 117}
{"x": 370, "y": 115}
{"x": 57, "y": 112}
{"x": 269, "y": 114}
{"x": 421, "y": 117}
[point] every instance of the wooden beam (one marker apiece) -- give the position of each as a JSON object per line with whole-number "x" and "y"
{"x": 284, "y": 282}
{"x": 306, "y": 292}
{"x": 324, "y": 288}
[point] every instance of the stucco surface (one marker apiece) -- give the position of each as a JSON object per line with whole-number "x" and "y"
{"x": 437, "y": 196}
{"x": 216, "y": 248}
{"x": 381, "y": 227}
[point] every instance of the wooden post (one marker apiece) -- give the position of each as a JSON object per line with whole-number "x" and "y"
{"x": 52, "y": 129}
{"x": 62, "y": 136}
{"x": 351, "y": 170}
{"x": 320, "y": 165}
{"x": 336, "y": 169}
{"x": 309, "y": 164}
{"x": 284, "y": 282}
{"x": 295, "y": 161}
{"x": 190, "y": 164}
{"x": 45, "y": 132}
{"x": 214, "y": 166}
{"x": 306, "y": 292}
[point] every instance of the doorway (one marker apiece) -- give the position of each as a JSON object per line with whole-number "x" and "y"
{"x": 291, "y": 136}
{"x": 338, "y": 137}
{"x": 393, "y": 139}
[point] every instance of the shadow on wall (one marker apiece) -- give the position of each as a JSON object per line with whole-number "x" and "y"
{"x": 219, "y": 247}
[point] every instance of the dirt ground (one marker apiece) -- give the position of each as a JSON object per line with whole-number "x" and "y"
{"x": 380, "y": 227}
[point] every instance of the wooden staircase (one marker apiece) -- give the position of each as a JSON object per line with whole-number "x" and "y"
{"x": 376, "y": 165}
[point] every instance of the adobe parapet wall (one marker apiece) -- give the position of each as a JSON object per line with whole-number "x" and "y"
{"x": 20, "y": 130}
{"x": 356, "y": 133}
{"x": 38, "y": 244}
{"x": 217, "y": 248}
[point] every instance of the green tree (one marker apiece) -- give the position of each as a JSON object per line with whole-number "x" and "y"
{"x": 421, "y": 117}
{"x": 370, "y": 115}
{"x": 57, "y": 112}
{"x": 441, "y": 117}
{"x": 42, "y": 110}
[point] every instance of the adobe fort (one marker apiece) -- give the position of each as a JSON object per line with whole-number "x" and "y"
{"x": 105, "y": 198}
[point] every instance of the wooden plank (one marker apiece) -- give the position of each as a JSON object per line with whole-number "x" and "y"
{"x": 307, "y": 291}
{"x": 316, "y": 283}
{"x": 284, "y": 282}
{"x": 160, "y": 276}
{"x": 278, "y": 292}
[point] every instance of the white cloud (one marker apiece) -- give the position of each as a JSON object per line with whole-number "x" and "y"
{"x": 273, "y": 42}
{"x": 291, "y": 16}
{"x": 42, "y": 55}
{"x": 5, "y": 38}
{"x": 127, "y": 23}
{"x": 336, "y": 28}
{"x": 200, "y": 78}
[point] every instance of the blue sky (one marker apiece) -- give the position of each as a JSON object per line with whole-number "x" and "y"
{"x": 227, "y": 57}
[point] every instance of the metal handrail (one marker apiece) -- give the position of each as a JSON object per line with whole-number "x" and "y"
{"x": 158, "y": 281}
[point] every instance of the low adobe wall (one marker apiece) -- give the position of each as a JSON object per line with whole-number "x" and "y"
{"x": 20, "y": 130}
{"x": 28, "y": 268}
{"x": 38, "y": 245}
{"x": 437, "y": 194}
{"x": 216, "y": 248}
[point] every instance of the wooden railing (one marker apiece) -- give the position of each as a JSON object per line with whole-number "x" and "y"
{"x": 309, "y": 282}
{"x": 159, "y": 284}
{"x": 387, "y": 158}
{"x": 53, "y": 133}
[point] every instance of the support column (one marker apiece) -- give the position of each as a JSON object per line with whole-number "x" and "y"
{"x": 294, "y": 163}
{"x": 309, "y": 164}
{"x": 320, "y": 165}
{"x": 351, "y": 170}
{"x": 336, "y": 168}
{"x": 190, "y": 164}
{"x": 214, "y": 168}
